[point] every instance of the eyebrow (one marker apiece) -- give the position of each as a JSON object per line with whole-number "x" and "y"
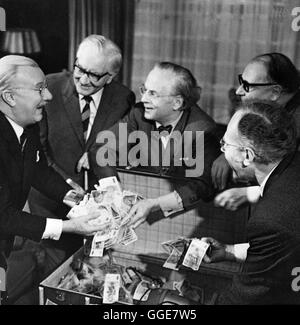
{"x": 41, "y": 83}
{"x": 89, "y": 71}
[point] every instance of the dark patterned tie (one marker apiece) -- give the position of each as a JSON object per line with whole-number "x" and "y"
{"x": 85, "y": 116}
{"x": 23, "y": 139}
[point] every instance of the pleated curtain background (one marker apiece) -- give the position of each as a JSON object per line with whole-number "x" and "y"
{"x": 111, "y": 18}
{"x": 213, "y": 38}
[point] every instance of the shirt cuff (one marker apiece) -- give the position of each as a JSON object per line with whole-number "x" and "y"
{"x": 53, "y": 229}
{"x": 253, "y": 193}
{"x": 240, "y": 251}
{"x": 170, "y": 203}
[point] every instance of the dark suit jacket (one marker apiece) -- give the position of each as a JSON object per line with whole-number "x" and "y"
{"x": 193, "y": 119}
{"x": 274, "y": 237}
{"x": 61, "y": 129}
{"x": 18, "y": 172}
{"x": 63, "y": 143}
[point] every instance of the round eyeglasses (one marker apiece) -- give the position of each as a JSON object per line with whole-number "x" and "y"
{"x": 152, "y": 93}
{"x": 41, "y": 89}
{"x": 224, "y": 144}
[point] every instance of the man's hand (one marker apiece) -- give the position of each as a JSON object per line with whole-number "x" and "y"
{"x": 139, "y": 212}
{"x": 217, "y": 251}
{"x": 220, "y": 172}
{"x": 232, "y": 198}
{"x": 82, "y": 225}
{"x": 83, "y": 162}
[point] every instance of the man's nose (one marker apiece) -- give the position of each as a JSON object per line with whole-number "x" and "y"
{"x": 47, "y": 95}
{"x": 240, "y": 91}
{"x": 145, "y": 97}
{"x": 84, "y": 79}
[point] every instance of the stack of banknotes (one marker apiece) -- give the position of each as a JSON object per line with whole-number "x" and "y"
{"x": 110, "y": 206}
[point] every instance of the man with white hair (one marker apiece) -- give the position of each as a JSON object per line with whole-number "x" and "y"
{"x": 23, "y": 95}
{"x": 85, "y": 102}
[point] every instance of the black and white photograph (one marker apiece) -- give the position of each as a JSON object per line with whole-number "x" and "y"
{"x": 149, "y": 121}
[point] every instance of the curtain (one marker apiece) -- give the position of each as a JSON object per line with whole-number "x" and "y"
{"x": 213, "y": 38}
{"x": 111, "y": 18}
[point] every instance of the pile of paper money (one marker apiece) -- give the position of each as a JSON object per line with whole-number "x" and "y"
{"x": 111, "y": 206}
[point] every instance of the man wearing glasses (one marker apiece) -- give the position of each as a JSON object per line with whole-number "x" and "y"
{"x": 261, "y": 143}
{"x": 168, "y": 105}
{"x": 85, "y": 102}
{"x": 23, "y": 96}
{"x": 269, "y": 77}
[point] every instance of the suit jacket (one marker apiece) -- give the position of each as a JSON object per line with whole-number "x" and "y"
{"x": 193, "y": 119}
{"x": 274, "y": 237}
{"x": 61, "y": 129}
{"x": 18, "y": 172}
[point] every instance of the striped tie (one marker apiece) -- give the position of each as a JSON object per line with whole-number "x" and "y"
{"x": 85, "y": 116}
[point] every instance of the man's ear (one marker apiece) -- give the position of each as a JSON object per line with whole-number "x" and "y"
{"x": 248, "y": 157}
{"x": 177, "y": 103}
{"x": 8, "y": 98}
{"x": 276, "y": 93}
{"x": 110, "y": 78}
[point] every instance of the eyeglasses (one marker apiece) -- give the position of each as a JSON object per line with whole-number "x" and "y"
{"x": 246, "y": 85}
{"x": 224, "y": 144}
{"x": 41, "y": 89}
{"x": 152, "y": 93}
{"x": 93, "y": 77}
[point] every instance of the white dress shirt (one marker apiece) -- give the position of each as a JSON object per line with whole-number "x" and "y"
{"x": 172, "y": 202}
{"x": 165, "y": 139}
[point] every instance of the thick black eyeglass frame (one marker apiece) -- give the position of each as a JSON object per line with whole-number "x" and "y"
{"x": 247, "y": 85}
{"x": 94, "y": 77}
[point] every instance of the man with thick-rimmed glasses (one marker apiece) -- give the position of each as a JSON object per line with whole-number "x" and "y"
{"x": 269, "y": 77}
{"x": 85, "y": 101}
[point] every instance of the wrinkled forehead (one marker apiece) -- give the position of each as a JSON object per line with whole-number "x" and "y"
{"x": 91, "y": 58}
{"x": 161, "y": 80}
{"x": 26, "y": 75}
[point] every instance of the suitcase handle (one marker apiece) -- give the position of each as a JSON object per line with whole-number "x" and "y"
{"x": 60, "y": 296}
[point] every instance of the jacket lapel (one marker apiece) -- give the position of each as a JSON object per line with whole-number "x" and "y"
{"x": 100, "y": 118}
{"x": 9, "y": 135}
{"x": 71, "y": 105}
{"x": 180, "y": 126}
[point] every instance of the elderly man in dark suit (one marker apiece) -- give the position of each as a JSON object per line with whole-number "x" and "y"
{"x": 24, "y": 94}
{"x": 84, "y": 102}
{"x": 169, "y": 114}
{"x": 260, "y": 143}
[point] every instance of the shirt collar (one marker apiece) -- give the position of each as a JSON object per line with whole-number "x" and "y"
{"x": 96, "y": 97}
{"x": 174, "y": 123}
{"x": 263, "y": 184}
{"x": 17, "y": 128}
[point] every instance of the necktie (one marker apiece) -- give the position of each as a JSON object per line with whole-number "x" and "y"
{"x": 85, "y": 116}
{"x": 23, "y": 139}
{"x": 167, "y": 128}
